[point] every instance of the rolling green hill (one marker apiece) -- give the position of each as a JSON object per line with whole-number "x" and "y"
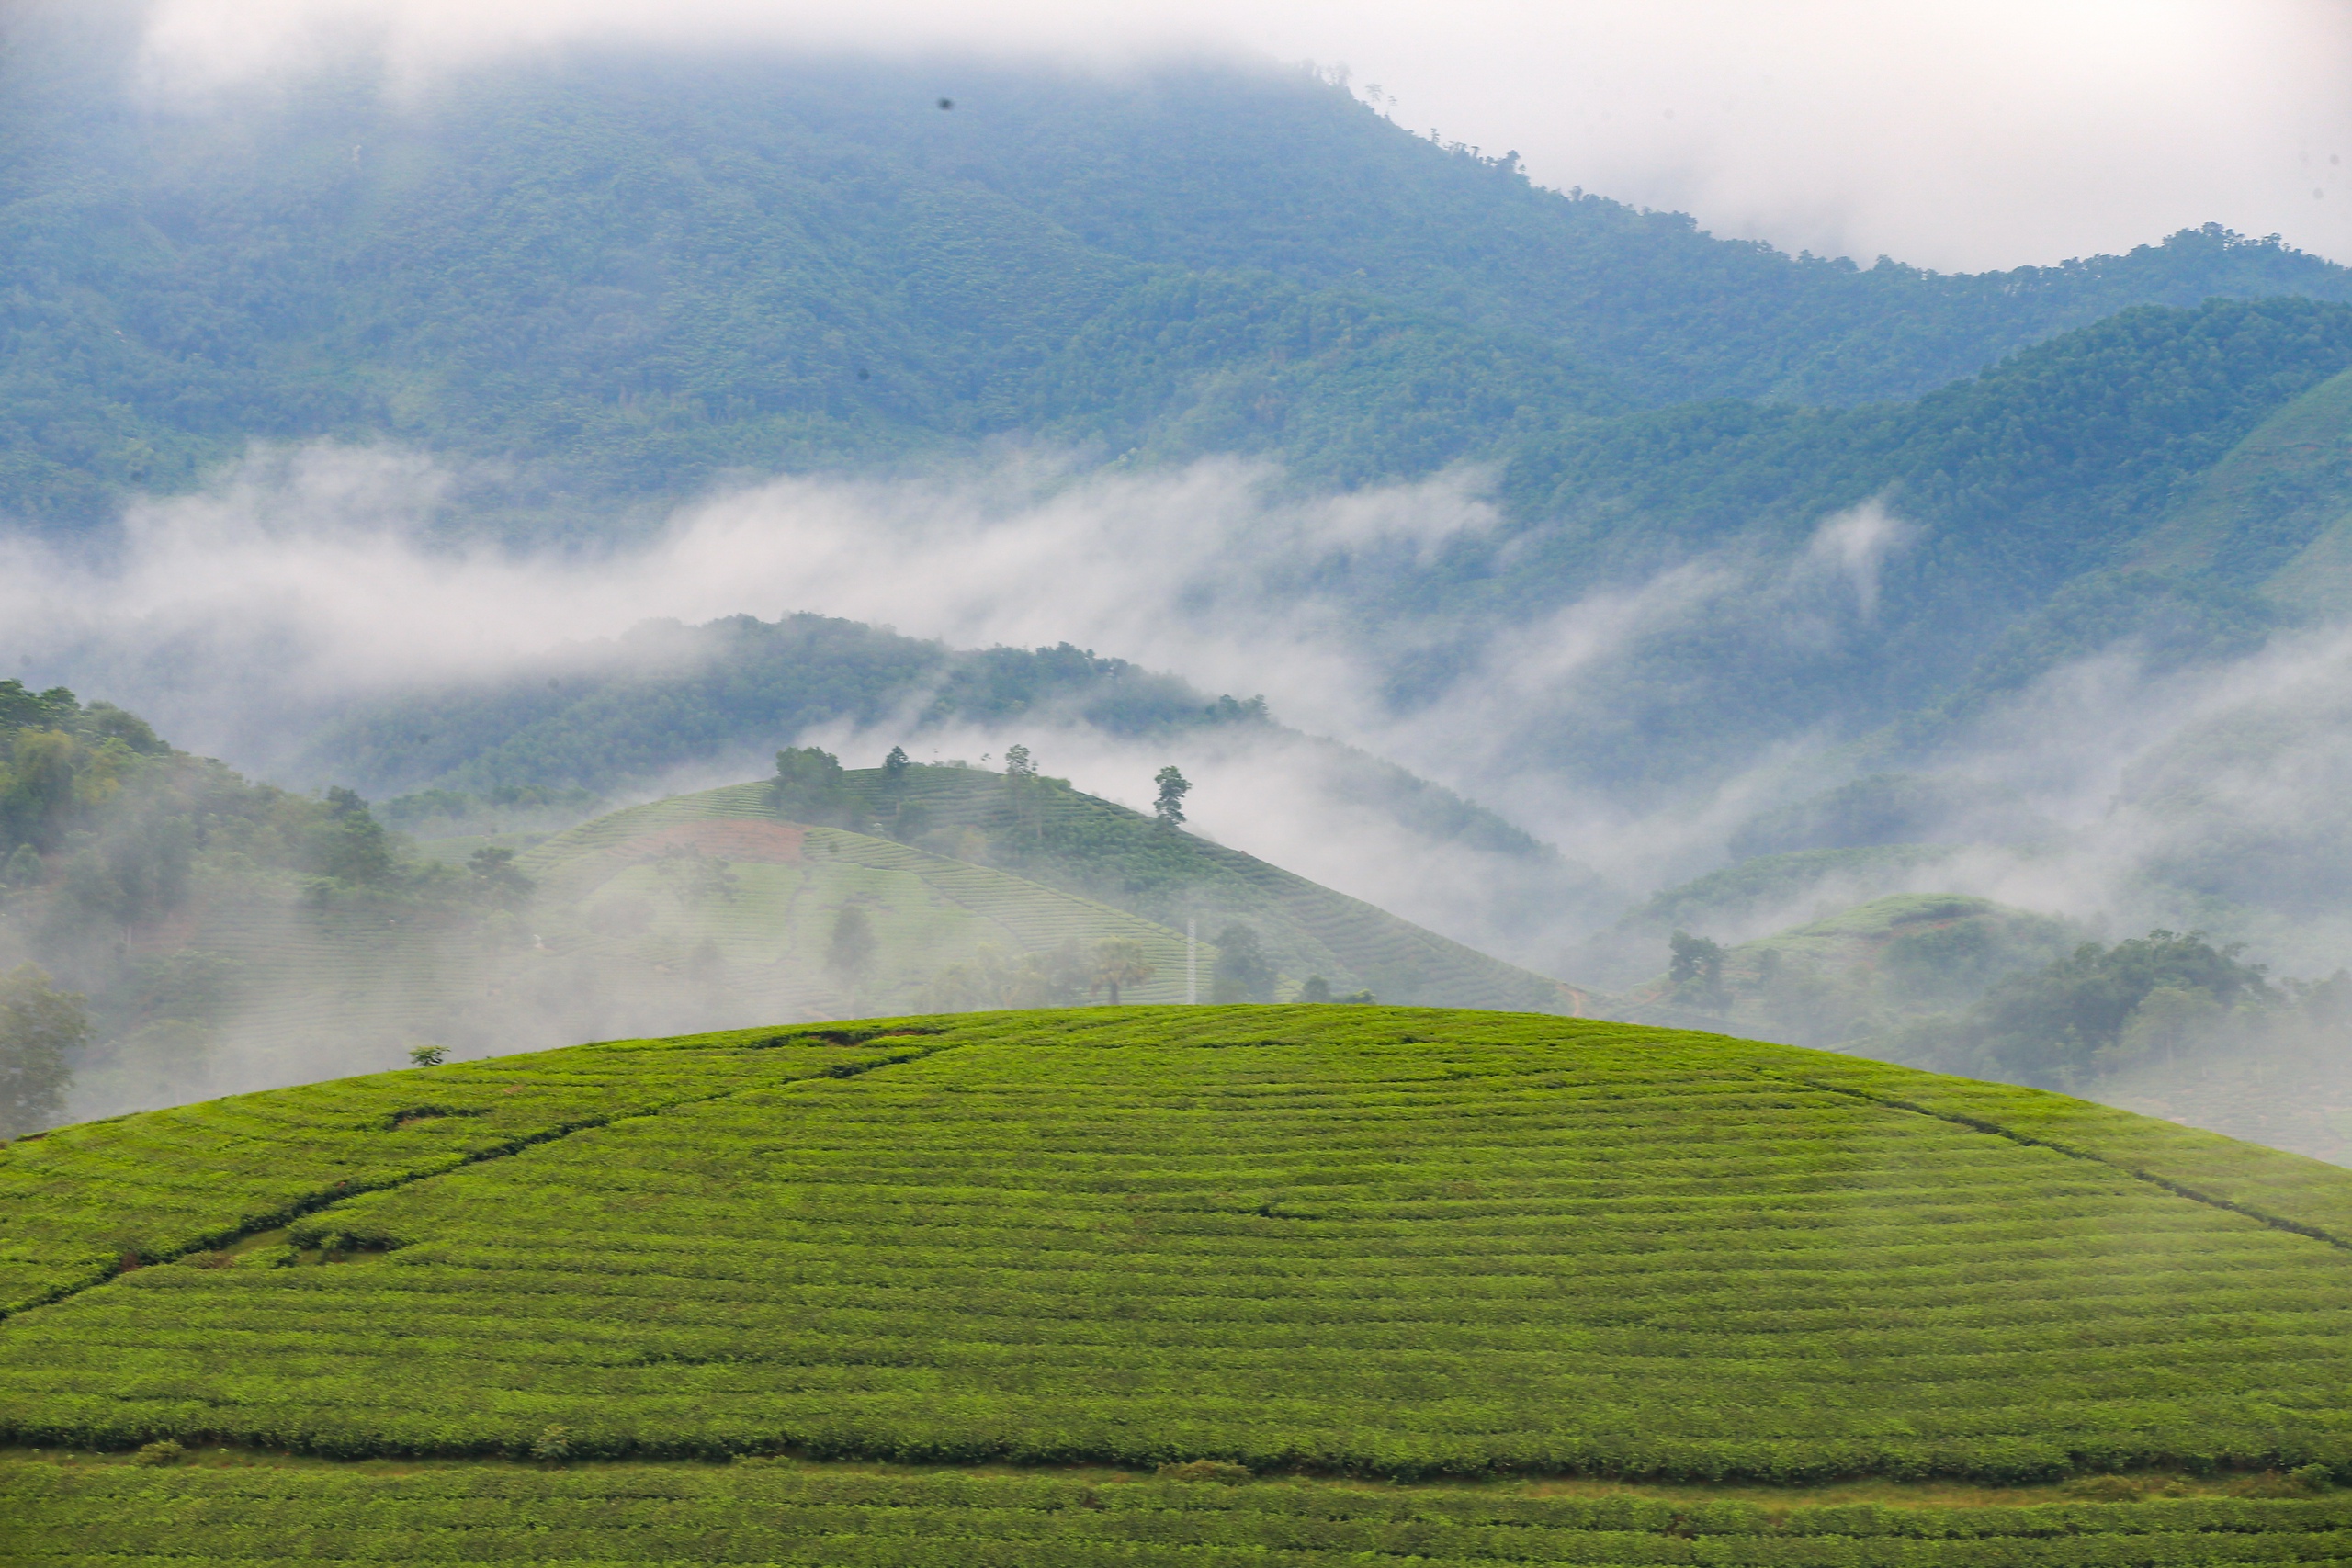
{"x": 1030, "y": 869}
{"x": 226, "y": 935}
{"x": 539, "y": 1299}
{"x": 790, "y": 882}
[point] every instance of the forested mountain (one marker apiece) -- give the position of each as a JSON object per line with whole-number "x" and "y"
{"x": 614, "y": 280}
{"x": 1750, "y": 556}
{"x": 1991, "y": 531}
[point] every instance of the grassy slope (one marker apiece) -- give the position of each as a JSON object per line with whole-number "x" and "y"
{"x": 618, "y": 940}
{"x": 929, "y": 909}
{"x": 1092, "y": 846}
{"x": 1375, "y": 1240}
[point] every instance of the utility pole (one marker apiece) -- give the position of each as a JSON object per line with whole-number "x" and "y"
{"x": 1191, "y": 961}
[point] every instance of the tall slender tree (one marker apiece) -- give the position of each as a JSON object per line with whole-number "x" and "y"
{"x": 1173, "y": 787}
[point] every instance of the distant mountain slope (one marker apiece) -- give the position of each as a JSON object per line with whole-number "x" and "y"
{"x": 1936, "y": 555}
{"x": 614, "y": 280}
{"x": 2276, "y": 512}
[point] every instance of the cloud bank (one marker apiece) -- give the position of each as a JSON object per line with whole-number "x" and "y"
{"x": 242, "y": 618}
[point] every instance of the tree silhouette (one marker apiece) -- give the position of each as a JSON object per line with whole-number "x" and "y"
{"x": 40, "y": 1027}
{"x": 849, "y": 955}
{"x": 1173, "y": 787}
{"x": 1120, "y": 961}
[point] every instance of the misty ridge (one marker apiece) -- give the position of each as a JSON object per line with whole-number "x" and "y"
{"x": 1546, "y": 603}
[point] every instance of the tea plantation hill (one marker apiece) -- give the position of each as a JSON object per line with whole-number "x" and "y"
{"x": 1021, "y": 1288}
{"x": 1046, "y": 831}
{"x": 715, "y": 910}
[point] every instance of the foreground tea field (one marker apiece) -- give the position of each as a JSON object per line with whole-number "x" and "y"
{"x": 194, "y": 1516}
{"x": 1318, "y": 1241}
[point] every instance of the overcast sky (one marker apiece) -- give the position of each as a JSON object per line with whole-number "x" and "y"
{"x": 1953, "y": 135}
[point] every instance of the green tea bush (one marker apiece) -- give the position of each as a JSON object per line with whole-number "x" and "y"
{"x": 1206, "y": 1470}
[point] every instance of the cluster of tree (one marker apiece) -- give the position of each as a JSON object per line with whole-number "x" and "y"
{"x": 2165, "y": 997}
{"x": 105, "y": 832}
{"x": 1859, "y": 974}
{"x": 1243, "y": 972}
{"x": 1060, "y": 976}
{"x": 1694, "y": 970}
{"x": 448, "y": 813}
{"x": 41, "y": 1029}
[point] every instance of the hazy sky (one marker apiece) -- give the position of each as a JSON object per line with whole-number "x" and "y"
{"x": 1953, "y": 135}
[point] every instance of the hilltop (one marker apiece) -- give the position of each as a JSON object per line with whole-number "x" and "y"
{"x": 1289, "y": 1242}
{"x": 1081, "y": 844}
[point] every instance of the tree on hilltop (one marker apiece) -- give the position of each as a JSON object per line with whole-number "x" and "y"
{"x": 1173, "y": 787}
{"x": 808, "y": 787}
{"x": 498, "y": 879}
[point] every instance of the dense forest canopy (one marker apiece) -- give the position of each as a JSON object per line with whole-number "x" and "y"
{"x": 605, "y": 279}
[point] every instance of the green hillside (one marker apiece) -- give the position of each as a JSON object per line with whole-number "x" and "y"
{"x": 874, "y": 1265}
{"x": 790, "y": 883}
{"x": 1040, "y": 863}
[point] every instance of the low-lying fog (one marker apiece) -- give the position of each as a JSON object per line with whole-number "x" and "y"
{"x": 311, "y": 579}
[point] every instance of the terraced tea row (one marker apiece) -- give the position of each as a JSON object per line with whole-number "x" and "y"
{"x": 82, "y": 1203}
{"x": 630, "y": 1514}
{"x": 1343, "y": 1239}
